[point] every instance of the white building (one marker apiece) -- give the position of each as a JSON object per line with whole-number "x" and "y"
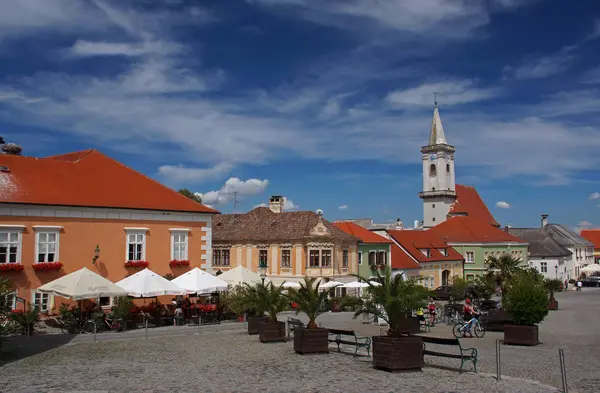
{"x": 556, "y": 251}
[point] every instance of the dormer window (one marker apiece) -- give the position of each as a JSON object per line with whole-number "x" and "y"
{"x": 425, "y": 251}
{"x": 443, "y": 251}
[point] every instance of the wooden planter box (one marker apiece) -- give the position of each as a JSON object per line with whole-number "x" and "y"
{"x": 403, "y": 353}
{"x": 272, "y": 332}
{"x": 496, "y": 319}
{"x": 408, "y": 326}
{"x": 311, "y": 340}
{"x": 553, "y": 304}
{"x": 254, "y": 324}
{"x": 521, "y": 335}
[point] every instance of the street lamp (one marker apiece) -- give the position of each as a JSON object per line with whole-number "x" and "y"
{"x": 262, "y": 267}
{"x": 556, "y": 270}
{"x": 96, "y": 254}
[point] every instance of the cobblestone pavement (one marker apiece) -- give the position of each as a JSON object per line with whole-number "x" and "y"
{"x": 223, "y": 358}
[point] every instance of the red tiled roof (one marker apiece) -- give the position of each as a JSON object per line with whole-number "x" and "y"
{"x": 592, "y": 235}
{"x": 469, "y": 203}
{"x": 412, "y": 241}
{"x": 401, "y": 260}
{"x": 469, "y": 229}
{"x": 87, "y": 178}
{"x": 363, "y": 234}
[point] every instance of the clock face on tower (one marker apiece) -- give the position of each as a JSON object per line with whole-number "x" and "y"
{"x": 432, "y": 157}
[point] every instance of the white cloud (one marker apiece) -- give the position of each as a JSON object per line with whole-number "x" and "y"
{"x": 542, "y": 67}
{"x": 178, "y": 174}
{"x": 591, "y": 76}
{"x": 343, "y": 207}
{"x": 594, "y": 196}
{"x": 84, "y": 48}
{"x": 503, "y": 205}
{"x": 449, "y": 93}
{"x": 331, "y": 109}
{"x": 234, "y": 187}
{"x": 585, "y": 224}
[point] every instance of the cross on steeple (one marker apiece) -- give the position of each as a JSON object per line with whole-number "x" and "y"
{"x": 435, "y": 101}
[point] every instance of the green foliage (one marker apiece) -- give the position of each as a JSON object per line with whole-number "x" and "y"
{"x": 255, "y": 306}
{"x": 501, "y": 270}
{"x": 527, "y": 297}
{"x": 25, "y": 321}
{"x": 393, "y": 299}
{"x": 485, "y": 287}
{"x": 169, "y": 276}
{"x": 458, "y": 287}
{"x": 235, "y": 300}
{"x": 187, "y": 193}
{"x": 270, "y": 298}
{"x": 553, "y": 285}
{"x": 121, "y": 309}
{"x": 309, "y": 299}
{"x": 6, "y": 324}
{"x": 349, "y": 303}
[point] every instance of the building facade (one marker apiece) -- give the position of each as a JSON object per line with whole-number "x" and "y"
{"x": 374, "y": 251}
{"x": 57, "y": 215}
{"x": 291, "y": 244}
{"x": 593, "y": 236}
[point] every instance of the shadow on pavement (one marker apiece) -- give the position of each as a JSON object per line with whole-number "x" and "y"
{"x": 21, "y": 347}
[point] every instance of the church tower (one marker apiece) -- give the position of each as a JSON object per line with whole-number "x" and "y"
{"x": 439, "y": 190}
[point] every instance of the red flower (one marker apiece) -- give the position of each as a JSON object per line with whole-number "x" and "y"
{"x": 15, "y": 267}
{"x": 47, "y": 266}
{"x": 136, "y": 264}
{"x": 177, "y": 262}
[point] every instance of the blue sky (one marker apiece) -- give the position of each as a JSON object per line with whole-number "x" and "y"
{"x": 324, "y": 102}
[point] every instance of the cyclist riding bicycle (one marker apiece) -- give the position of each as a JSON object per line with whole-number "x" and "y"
{"x": 469, "y": 313}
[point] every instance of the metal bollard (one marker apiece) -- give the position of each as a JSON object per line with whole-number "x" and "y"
{"x": 245, "y": 320}
{"x": 199, "y": 320}
{"x": 563, "y": 370}
{"x": 146, "y": 329}
{"x": 498, "y": 373}
{"x": 95, "y": 338}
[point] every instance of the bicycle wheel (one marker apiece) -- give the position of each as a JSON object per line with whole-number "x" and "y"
{"x": 457, "y": 330}
{"x": 479, "y": 330}
{"x": 88, "y": 327}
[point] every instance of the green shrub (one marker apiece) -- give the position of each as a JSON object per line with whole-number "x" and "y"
{"x": 121, "y": 309}
{"x": 25, "y": 321}
{"x": 235, "y": 300}
{"x": 527, "y": 298}
{"x": 552, "y": 286}
{"x": 484, "y": 288}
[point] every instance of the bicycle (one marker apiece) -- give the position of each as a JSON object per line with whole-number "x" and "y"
{"x": 473, "y": 325}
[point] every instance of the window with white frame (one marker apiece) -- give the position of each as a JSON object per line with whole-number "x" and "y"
{"x": 105, "y": 301}
{"x": 286, "y": 258}
{"x": 382, "y": 258}
{"x": 8, "y": 301}
{"x": 179, "y": 241}
{"x": 325, "y": 258}
{"x": 469, "y": 257}
{"x": 41, "y": 301}
{"x": 10, "y": 246}
{"x": 543, "y": 267}
{"x": 313, "y": 258}
{"x": 216, "y": 258}
{"x": 345, "y": 258}
{"x": 47, "y": 246}
{"x": 372, "y": 257}
{"x": 225, "y": 257}
{"x": 136, "y": 246}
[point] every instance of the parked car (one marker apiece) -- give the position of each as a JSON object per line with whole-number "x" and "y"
{"x": 593, "y": 281}
{"x": 446, "y": 293}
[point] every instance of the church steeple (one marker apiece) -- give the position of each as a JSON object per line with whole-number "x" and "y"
{"x": 439, "y": 189}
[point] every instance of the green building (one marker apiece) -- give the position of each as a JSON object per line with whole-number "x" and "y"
{"x": 374, "y": 251}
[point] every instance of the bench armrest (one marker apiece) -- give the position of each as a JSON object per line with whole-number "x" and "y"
{"x": 473, "y": 351}
{"x": 365, "y": 340}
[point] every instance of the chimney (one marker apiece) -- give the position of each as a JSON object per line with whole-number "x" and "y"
{"x": 506, "y": 228}
{"x": 276, "y": 204}
{"x": 416, "y": 224}
{"x": 319, "y": 213}
{"x": 399, "y": 224}
{"x": 544, "y": 220}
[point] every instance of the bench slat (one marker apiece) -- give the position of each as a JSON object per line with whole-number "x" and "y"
{"x": 440, "y": 341}
{"x": 342, "y": 332}
{"x": 446, "y": 355}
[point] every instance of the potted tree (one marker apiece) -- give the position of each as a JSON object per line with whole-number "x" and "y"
{"x": 527, "y": 301}
{"x": 271, "y": 299}
{"x": 393, "y": 299}
{"x": 255, "y": 309}
{"x": 312, "y": 302}
{"x": 552, "y": 286}
{"x": 500, "y": 270}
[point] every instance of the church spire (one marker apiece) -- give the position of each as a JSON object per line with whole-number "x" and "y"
{"x": 437, "y": 136}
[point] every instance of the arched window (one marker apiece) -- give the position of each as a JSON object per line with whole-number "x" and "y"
{"x": 448, "y": 168}
{"x": 432, "y": 170}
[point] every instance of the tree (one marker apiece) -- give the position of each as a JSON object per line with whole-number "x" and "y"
{"x": 485, "y": 287}
{"x": 458, "y": 288}
{"x": 392, "y": 298}
{"x": 527, "y": 297}
{"x": 502, "y": 269}
{"x": 187, "y": 193}
{"x": 270, "y": 297}
{"x": 5, "y": 308}
{"x": 309, "y": 299}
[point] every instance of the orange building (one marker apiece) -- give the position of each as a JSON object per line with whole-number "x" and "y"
{"x": 84, "y": 209}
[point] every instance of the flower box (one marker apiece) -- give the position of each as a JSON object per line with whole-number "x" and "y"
{"x": 176, "y": 262}
{"x": 43, "y": 266}
{"x": 11, "y": 267}
{"x": 136, "y": 264}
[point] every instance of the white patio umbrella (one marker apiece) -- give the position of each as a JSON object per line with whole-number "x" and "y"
{"x": 83, "y": 284}
{"x": 291, "y": 284}
{"x": 331, "y": 284}
{"x": 591, "y": 269}
{"x": 146, "y": 283}
{"x": 198, "y": 281}
{"x": 239, "y": 275}
{"x": 356, "y": 284}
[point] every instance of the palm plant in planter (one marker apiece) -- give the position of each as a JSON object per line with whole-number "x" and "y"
{"x": 312, "y": 302}
{"x": 527, "y": 301}
{"x": 393, "y": 299}
{"x": 272, "y": 299}
{"x": 553, "y": 285}
{"x": 255, "y": 308}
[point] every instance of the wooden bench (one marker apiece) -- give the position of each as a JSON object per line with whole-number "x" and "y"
{"x": 348, "y": 337}
{"x": 465, "y": 355}
{"x": 293, "y": 324}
